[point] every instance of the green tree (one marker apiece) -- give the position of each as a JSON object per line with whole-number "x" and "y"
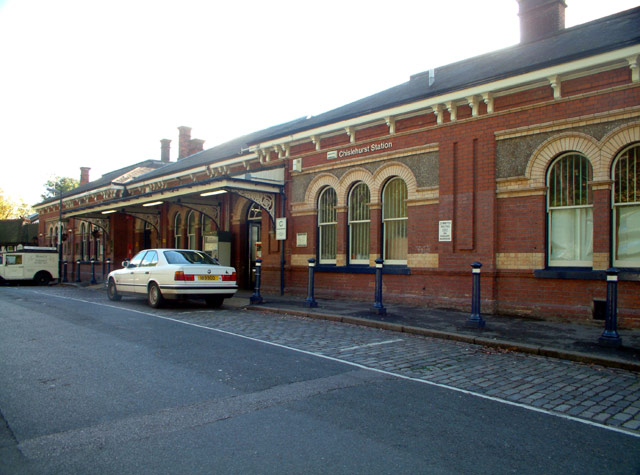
{"x": 10, "y": 209}
{"x": 58, "y": 183}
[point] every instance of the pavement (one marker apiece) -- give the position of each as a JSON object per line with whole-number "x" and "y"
{"x": 575, "y": 341}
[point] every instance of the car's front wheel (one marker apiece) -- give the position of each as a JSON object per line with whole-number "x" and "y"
{"x": 154, "y": 296}
{"x": 112, "y": 291}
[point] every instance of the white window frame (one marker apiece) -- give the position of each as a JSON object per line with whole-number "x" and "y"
{"x": 583, "y": 211}
{"x": 359, "y": 222}
{"x": 631, "y": 199}
{"x": 177, "y": 231}
{"x": 387, "y": 222}
{"x": 326, "y": 227}
{"x": 192, "y": 225}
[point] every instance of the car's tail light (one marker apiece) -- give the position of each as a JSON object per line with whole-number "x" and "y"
{"x": 229, "y": 278}
{"x": 180, "y": 275}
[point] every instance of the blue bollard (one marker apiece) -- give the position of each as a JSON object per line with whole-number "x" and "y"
{"x": 610, "y": 336}
{"x": 377, "y": 306}
{"x": 310, "y": 302}
{"x": 93, "y": 272}
{"x": 64, "y": 278}
{"x": 78, "y": 271}
{"x": 256, "y": 298}
{"x": 475, "y": 319}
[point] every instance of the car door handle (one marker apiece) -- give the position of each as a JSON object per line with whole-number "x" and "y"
{"x": 147, "y": 272}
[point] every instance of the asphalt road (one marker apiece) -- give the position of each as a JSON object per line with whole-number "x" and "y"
{"x": 90, "y": 387}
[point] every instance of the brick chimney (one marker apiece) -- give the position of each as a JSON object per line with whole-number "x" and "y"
{"x": 184, "y": 140}
{"x": 195, "y": 146}
{"x": 187, "y": 145}
{"x": 540, "y": 18}
{"x": 84, "y": 175}
{"x": 165, "y": 150}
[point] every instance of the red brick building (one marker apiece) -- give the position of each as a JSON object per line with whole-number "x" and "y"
{"x": 525, "y": 159}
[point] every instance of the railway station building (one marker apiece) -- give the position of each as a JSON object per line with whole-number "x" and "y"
{"x": 525, "y": 159}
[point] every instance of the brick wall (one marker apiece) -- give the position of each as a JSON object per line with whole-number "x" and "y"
{"x": 507, "y": 233}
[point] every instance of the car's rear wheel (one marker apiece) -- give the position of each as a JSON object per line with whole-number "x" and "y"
{"x": 112, "y": 291}
{"x": 214, "y": 302}
{"x": 42, "y": 278}
{"x": 154, "y": 296}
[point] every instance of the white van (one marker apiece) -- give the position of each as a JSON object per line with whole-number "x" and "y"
{"x": 37, "y": 264}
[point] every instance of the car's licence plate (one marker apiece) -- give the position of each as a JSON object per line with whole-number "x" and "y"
{"x": 208, "y": 277}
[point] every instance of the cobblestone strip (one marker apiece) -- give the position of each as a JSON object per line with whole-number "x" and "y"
{"x": 594, "y": 393}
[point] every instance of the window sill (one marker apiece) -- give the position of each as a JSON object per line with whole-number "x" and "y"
{"x": 584, "y": 274}
{"x": 362, "y": 269}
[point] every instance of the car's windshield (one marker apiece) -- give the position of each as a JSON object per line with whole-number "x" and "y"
{"x": 188, "y": 257}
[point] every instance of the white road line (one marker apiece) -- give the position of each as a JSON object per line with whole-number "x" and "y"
{"x": 351, "y": 348}
{"x": 349, "y": 363}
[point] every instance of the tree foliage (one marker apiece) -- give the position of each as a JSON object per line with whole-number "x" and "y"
{"x": 10, "y": 209}
{"x": 58, "y": 183}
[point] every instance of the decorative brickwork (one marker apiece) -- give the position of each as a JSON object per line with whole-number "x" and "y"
{"x": 428, "y": 260}
{"x": 520, "y": 260}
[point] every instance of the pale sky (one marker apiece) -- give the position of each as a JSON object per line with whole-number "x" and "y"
{"x": 99, "y": 83}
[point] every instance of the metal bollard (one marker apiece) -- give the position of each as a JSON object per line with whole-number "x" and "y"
{"x": 78, "y": 270}
{"x": 93, "y": 272}
{"x": 64, "y": 274}
{"x": 475, "y": 319}
{"x": 377, "y": 306}
{"x": 310, "y": 301}
{"x": 256, "y": 298}
{"x": 108, "y": 265}
{"x": 610, "y": 335}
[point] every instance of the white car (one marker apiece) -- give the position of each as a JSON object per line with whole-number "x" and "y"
{"x": 171, "y": 274}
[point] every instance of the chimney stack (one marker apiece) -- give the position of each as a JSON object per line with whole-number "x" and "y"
{"x": 187, "y": 145}
{"x": 540, "y": 18}
{"x": 165, "y": 150}
{"x": 195, "y": 146}
{"x": 184, "y": 140}
{"x": 84, "y": 175}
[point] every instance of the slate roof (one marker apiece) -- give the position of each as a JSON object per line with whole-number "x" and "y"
{"x": 596, "y": 37}
{"x": 108, "y": 178}
{"x": 230, "y": 149}
{"x": 581, "y": 41}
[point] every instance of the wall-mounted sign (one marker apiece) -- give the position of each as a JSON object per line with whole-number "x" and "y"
{"x": 445, "y": 231}
{"x": 301, "y": 240}
{"x": 281, "y": 229}
{"x": 350, "y": 152}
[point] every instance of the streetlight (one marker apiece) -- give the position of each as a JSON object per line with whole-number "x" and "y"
{"x": 54, "y": 191}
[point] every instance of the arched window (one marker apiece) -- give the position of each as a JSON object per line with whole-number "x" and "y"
{"x": 254, "y": 213}
{"x": 327, "y": 226}
{"x": 394, "y": 222}
{"x": 570, "y": 210}
{"x": 626, "y": 208}
{"x": 191, "y": 230}
{"x": 359, "y": 218}
{"x": 177, "y": 231}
